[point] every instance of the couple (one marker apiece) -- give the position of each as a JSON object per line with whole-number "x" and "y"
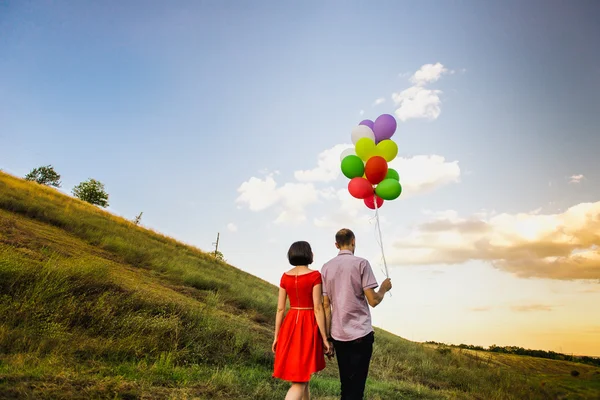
{"x": 329, "y": 314}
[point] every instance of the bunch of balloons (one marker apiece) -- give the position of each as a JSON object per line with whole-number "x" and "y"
{"x": 366, "y": 165}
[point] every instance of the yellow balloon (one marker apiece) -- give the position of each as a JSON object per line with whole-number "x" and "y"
{"x": 365, "y": 148}
{"x": 387, "y": 149}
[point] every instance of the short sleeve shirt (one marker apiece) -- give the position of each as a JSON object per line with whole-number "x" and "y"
{"x": 345, "y": 278}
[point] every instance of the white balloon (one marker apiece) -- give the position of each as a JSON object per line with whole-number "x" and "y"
{"x": 362, "y": 131}
{"x": 346, "y": 153}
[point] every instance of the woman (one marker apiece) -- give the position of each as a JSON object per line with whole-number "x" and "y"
{"x": 300, "y": 338}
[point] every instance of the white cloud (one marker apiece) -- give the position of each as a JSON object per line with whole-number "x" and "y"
{"x": 232, "y": 227}
{"x": 418, "y": 101}
{"x": 556, "y": 246}
{"x": 328, "y": 166}
{"x": 290, "y": 217}
{"x": 291, "y": 199}
{"x": 295, "y": 197}
{"x": 418, "y": 174}
{"x": 361, "y": 112}
{"x": 428, "y": 73}
{"x": 423, "y": 173}
{"x": 258, "y": 194}
{"x": 346, "y": 211}
{"x": 379, "y": 101}
{"x": 576, "y": 178}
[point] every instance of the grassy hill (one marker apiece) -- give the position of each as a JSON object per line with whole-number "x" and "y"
{"x": 92, "y": 306}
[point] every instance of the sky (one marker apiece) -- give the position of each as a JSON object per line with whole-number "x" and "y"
{"x": 229, "y": 118}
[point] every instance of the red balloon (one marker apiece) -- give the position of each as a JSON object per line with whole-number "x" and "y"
{"x": 369, "y": 202}
{"x": 360, "y": 188}
{"x": 376, "y": 169}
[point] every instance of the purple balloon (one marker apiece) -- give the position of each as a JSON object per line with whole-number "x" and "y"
{"x": 384, "y": 127}
{"x": 368, "y": 123}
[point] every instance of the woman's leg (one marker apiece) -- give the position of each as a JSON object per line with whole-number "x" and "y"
{"x": 296, "y": 391}
{"x": 306, "y": 395}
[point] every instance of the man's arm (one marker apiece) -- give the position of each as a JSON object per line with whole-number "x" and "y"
{"x": 375, "y": 297}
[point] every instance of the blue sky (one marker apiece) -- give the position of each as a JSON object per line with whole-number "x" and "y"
{"x": 176, "y": 106}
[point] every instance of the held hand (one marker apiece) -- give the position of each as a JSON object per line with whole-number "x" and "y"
{"x": 331, "y": 353}
{"x": 386, "y": 285}
{"x": 329, "y": 349}
{"x": 274, "y": 345}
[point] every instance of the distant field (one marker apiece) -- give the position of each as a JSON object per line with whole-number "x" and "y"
{"x": 545, "y": 372}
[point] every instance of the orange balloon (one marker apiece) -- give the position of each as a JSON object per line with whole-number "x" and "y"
{"x": 376, "y": 169}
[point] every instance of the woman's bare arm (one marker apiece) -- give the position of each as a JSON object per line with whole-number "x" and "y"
{"x": 319, "y": 311}
{"x": 280, "y": 310}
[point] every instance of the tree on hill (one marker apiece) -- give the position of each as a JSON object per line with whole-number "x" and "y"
{"x": 219, "y": 256}
{"x": 92, "y": 191}
{"x": 45, "y": 175}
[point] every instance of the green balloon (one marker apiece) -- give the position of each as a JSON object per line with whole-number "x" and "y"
{"x": 388, "y": 189}
{"x": 353, "y": 167}
{"x": 392, "y": 174}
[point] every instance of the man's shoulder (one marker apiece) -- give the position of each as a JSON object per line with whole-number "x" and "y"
{"x": 344, "y": 259}
{"x": 327, "y": 264}
{"x": 354, "y": 258}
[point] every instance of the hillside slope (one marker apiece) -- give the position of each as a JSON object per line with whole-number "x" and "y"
{"x": 92, "y": 306}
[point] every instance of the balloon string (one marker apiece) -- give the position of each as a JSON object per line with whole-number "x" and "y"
{"x": 377, "y": 239}
{"x": 387, "y": 273}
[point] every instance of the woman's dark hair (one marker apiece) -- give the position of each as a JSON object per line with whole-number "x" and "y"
{"x": 300, "y": 253}
{"x": 344, "y": 237}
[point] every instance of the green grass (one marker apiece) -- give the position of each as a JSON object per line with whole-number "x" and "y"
{"x": 92, "y": 306}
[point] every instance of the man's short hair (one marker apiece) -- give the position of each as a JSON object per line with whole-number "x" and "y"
{"x": 344, "y": 237}
{"x": 300, "y": 253}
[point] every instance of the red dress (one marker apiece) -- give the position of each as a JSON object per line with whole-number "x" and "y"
{"x": 299, "y": 350}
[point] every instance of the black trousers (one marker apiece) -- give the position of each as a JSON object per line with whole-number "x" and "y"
{"x": 354, "y": 359}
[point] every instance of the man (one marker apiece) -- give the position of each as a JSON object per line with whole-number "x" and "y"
{"x": 348, "y": 290}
